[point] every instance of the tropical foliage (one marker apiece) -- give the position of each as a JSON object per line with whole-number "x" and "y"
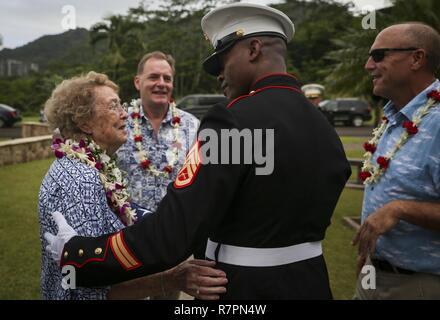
{"x": 330, "y": 47}
{"x": 345, "y": 73}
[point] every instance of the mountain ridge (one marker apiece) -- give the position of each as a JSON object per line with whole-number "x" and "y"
{"x": 70, "y": 47}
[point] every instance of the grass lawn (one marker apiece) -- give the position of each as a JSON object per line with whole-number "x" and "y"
{"x": 338, "y": 251}
{"x": 354, "y": 146}
{"x": 19, "y": 230}
{"x": 20, "y": 244}
{"x": 34, "y": 118}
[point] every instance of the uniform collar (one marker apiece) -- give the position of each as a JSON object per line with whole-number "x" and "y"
{"x": 411, "y": 107}
{"x": 276, "y": 79}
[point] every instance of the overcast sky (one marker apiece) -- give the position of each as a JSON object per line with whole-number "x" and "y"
{"x": 22, "y": 21}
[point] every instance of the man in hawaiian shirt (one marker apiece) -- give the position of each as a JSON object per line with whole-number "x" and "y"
{"x": 400, "y": 232}
{"x": 153, "y": 154}
{"x": 148, "y": 183}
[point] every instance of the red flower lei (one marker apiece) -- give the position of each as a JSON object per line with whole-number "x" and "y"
{"x": 144, "y": 162}
{"x": 371, "y": 173}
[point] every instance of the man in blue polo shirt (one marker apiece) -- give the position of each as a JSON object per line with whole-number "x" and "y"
{"x": 400, "y": 232}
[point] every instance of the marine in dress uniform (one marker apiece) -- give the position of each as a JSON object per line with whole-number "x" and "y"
{"x": 313, "y": 92}
{"x": 264, "y": 231}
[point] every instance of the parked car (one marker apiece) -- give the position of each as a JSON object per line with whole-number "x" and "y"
{"x": 350, "y": 111}
{"x": 199, "y": 104}
{"x": 8, "y": 116}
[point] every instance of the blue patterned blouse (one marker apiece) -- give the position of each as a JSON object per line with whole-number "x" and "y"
{"x": 74, "y": 189}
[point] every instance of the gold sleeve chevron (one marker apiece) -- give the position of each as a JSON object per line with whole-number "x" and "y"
{"x": 121, "y": 252}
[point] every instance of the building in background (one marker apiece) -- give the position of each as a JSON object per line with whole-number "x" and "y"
{"x": 16, "y": 68}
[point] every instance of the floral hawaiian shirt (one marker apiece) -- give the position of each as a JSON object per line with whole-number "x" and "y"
{"x": 413, "y": 174}
{"x": 146, "y": 189}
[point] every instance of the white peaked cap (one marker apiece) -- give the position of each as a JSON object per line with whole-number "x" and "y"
{"x": 226, "y": 25}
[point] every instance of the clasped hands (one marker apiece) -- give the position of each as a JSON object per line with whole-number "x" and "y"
{"x": 197, "y": 278}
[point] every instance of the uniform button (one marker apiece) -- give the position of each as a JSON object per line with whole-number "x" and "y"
{"x": 98, "y": 251}
{"x": 80, "y": 252}
{"x": 66, "y": 254}
{"x": 252, "y": 92}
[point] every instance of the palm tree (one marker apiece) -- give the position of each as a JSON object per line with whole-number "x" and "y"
{"x": 346, "y": 75}
{"x": 118, "y": 32}
{"x": 174, "y": 28}
{"x": 427, "y": 11}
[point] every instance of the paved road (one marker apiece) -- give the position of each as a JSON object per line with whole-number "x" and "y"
{"x": 354, "y": 132}
{"x": 15, "y": 132}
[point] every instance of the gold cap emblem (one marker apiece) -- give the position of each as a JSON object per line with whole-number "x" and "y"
{"x": 240, "y": 33}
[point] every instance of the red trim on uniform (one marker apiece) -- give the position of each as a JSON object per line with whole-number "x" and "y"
{"x": 277, "y": 87}
{"x": 236, "y": 99}
{"x": 138, "y": 263}
{"x": 274, "y": 74}
{"x": 262, "y": 89}
{"x": 89, "y": 260}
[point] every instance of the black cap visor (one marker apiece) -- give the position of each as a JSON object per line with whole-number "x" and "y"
{"x": 213, "y": 64}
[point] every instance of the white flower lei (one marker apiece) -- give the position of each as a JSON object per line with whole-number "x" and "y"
{"x": 376, "y": 171}
{"x": 109, "y": 174}
{"x": 142, "y": 155}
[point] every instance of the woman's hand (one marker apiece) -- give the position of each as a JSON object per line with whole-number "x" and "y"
{"x": 197, "y": 278}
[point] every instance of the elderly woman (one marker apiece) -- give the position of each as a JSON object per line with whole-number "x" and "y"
{"x": 86, "y": 186}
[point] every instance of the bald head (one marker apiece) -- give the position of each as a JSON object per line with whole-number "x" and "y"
{"x": 273, "y": 52}
{"x": 418, "y": 35}
{"x": 274, "y": 45}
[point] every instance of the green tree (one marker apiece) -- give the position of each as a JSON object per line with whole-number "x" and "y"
{"x": 427, "y": 11}
{"x": 119, "y": 32}
{"x": 173, "y": 26}
{"x": 316, "y": 23}
{"x": 346, "y": 74}
{"x": 28, "y": 94}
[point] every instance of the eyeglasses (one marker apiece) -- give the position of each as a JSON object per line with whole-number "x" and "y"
{"x": 379, "y": 54}
{"x": 117, "y": 106}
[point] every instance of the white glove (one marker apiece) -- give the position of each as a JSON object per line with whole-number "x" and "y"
{"x": 56, "y": 243}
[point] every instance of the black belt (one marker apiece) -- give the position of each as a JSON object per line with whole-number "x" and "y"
{"x": 388, "y": 267}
